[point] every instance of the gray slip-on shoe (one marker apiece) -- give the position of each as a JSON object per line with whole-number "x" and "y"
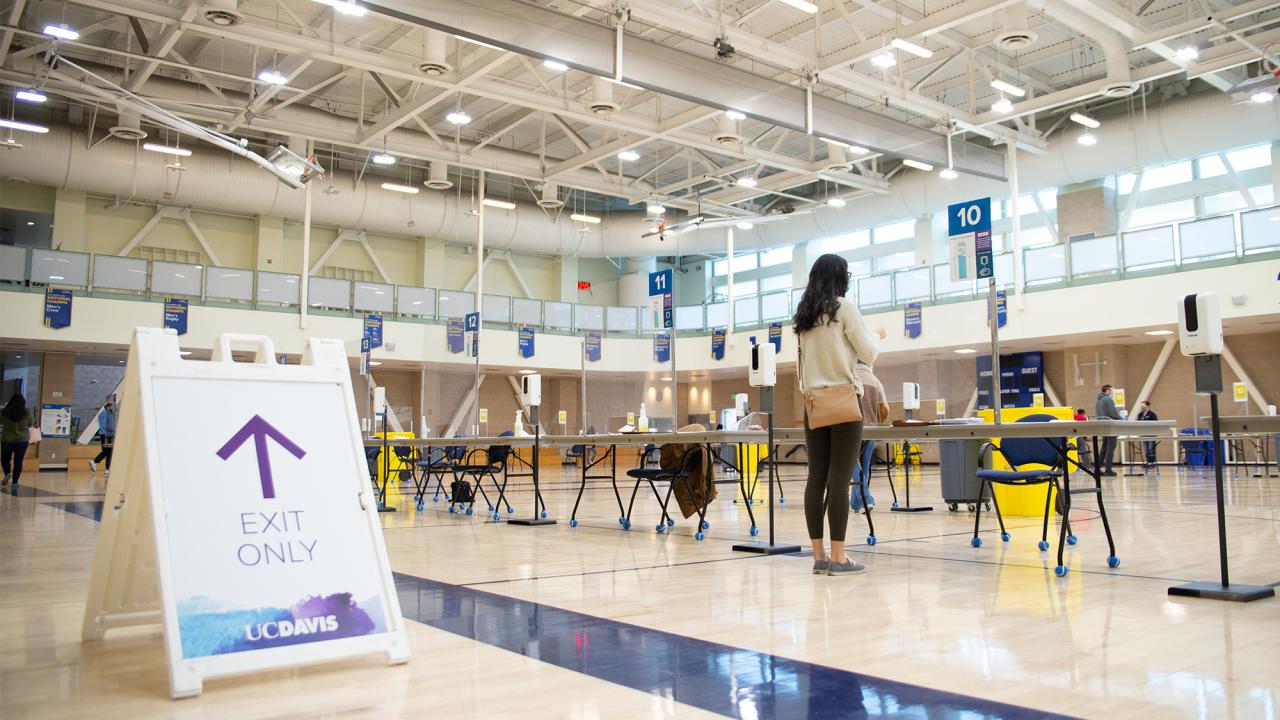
{"x": 820, "y": 567}
{"x": 848, "y": 567}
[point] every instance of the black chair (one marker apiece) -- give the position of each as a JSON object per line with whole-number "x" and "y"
{"x": 1019, "y": 452}
{"x": 435, "y": 465}
{"x": 653, "y": 475}
{"x": 483, "y": 463}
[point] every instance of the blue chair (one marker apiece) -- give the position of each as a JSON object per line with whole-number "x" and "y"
{"x": 1019, "y": 452}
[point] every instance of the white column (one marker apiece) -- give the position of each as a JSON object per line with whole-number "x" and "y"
{"x": 729, "y": 262}
{"x": 306, "y": 248}
{"x": 1016, "y": 222}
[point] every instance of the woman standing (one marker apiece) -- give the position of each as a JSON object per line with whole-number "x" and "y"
{"x": 16, "y": 422}
{"x": 833, "y": 338}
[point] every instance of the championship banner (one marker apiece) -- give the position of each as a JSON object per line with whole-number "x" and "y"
{"x": 717, "y": 343}
{"x": 593, "y": 346}
{"x": 373, "y": 330}
{"x": 662, "y": 347}
{"x": 912, "y": 318}
{"x": 454, "y": 334}
{"x": 526, "y": 341}
{"x": 175, "y": 314}
{"x": 57, "y": 308}
{"x": 775, "y": 336}
{"x": 1002, "y": 308}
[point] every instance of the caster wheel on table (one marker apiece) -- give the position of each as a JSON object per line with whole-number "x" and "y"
{"x": 782, "y": 501}
{"x": 871, "y": 539}
{"x": 750, "y": 501}
{"x": 1113, "y": 561}
{"x": 952, "y": 507}
{"x": 754, "y": 531}
{"x": 670, "y": 522}
{"x": 490, "y": 507}
{"x": 895, "y": 504}
{"x": 661, "y": 528}
{"x": 420, "y": 505}
{"x": 497, "y": 517}
{"x": 622, "y": 521}
{"x": 1072, "y": 539}
{"x": 976, "y": 542}
{"x": 573, "y": 522}
{"x": 453, "y": 509}
{"x": 972, "y": 507}
{"x": 510, "y": 509}
{"x": 1043, "y": 545}
{"x": 699, "y": 536}
{"x": 706, "y": 525}
{"x": 1060, "y": 571}
{"x": 626, "y": 524}
{"x": 544, "y": 513}
{"x": 1004, "y": 536}
{"x": 471, "y": 511}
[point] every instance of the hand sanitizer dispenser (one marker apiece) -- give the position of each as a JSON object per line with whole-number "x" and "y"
{"x": 764, "y": 365}
{"x": 531, "y": 389}
{"x": 1200, "y": 324}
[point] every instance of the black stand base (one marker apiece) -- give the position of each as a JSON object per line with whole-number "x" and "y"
{"x": 384, "y": 508}
{"x": 764, "y": 548}
{"x": 1217, "y": 591}
{"x": 531, "y": 521}
{"x": 911, "y": 508}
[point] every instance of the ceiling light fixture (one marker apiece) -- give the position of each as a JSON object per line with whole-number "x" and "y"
{"x": 27, "y": 127}
{"x": 383, "y": 158}
{"x": 396, "y": 187}
{"x": 458, "y": 117}
{"x": 1003, "y": 105}
{"x": 554, "y": 65}
{"x": 1158, "y": 332}
{"x": 917, "y": 164}
{"x": 802, "y": 5}
{"x": 1187, "y": 53}
{"x": 346, "y": 7}
{"x": 884, "y": 60}
{"x": 166, "y": 149}
{"x": 1085, "y": 120}
{"x": 654, "y": 207}
{"x": 1262, "y": 96}
{"x": 948, "y": 174}
{"x": 747, "y": 181}
{"x": 1087, "y": 139}
{"x": 914, "y": 49}
{"x": 579, "y": 217}
{"x": 271, "y": 77}
{"x": 62, "y": 32}
{"x": 1010, "y": 88}
{"x": 293, "y": 164}
{"x": 744, "y": 225}
{"x": 496, "y": 203}
{"x": 30, "y": 95}
{"x": 836, "y": 202}
{"x": 964, "y": 351}
{"x": 734, "y": 115}
{"x": 628, "y": 156}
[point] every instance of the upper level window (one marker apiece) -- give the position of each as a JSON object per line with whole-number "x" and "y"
{"x": 1250, "y": 157}
{"x": 776, "y": 256}
{"x": 840, "y": 243}
{"x": 900, "y": 230}
{"x": 743, "y": 263}
{"x": 1166, "y": 175}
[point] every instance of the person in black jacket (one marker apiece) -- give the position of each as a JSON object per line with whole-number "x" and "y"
{"x": 1148, "y": 446}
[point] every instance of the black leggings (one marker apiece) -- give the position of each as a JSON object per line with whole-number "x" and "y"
{"x": 833, "y": 452}
{"x": 11, "y": 456}
{"x": 108, "y": 444}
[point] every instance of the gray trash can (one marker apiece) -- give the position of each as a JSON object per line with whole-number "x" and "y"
{"x": 960, "y": 462}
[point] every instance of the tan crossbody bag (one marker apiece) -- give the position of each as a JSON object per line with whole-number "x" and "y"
{"x": 831, "y": 405}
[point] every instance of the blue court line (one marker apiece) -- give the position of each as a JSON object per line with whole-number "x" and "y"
{"x": 27, "y": 491}
{"x": 91, "y": 510}
{"x": 719, "y": 678}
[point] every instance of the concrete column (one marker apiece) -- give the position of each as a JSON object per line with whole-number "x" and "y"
{"x": 69, "y": 221}
{"x": 924, "y": 240}
{"x": 57, "y": 380}
{"x": 801, "y": 258}
{"x": 1275, "y": 167}
{"x": 431, "y": 262}
{"x": 269, "y": 243}
{"x": 567, "y": 280}
{"x": 1088, "y": 207}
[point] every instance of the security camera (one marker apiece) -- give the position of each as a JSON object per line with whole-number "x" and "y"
{"x": 724, "y": 51}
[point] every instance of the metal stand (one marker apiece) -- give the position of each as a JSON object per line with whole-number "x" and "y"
{"x": 1209, "y": 367}
{"x": 906, "y": 473}
{"x": 386, "y": 467}
{"x": 769, "y": 548}
{"x": 539, "y": 507}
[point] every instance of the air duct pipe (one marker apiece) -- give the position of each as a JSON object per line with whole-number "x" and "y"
{"x": 1114, "y": 48}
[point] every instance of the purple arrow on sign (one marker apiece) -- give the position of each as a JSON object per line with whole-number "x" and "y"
{"x": 259, "y": 430}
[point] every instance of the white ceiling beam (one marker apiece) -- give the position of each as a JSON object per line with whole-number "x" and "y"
{"x": 163, "y": 46}
{"x": 927, "y": 26}
{"x": 11, "y": 22}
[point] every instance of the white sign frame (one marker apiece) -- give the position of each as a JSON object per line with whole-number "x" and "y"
{"x": 132, "y": 582}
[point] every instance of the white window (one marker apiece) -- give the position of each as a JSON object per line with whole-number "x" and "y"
{"x": 1210, "y": 166}
{"x": 1049, "y": 198}
{"x": 720, "y": 267}
{"x": 745, "y": 262}
{"x": 900, "y": 230}
{"x": 1124, "y": 183}
{"x": 1166, "y": 175}
{"x": 840, "y": 243}
{"x": 884, "y": 263}
{"x": 1263, "y": 194}
{"x": 776, "y": 256}
{"x": 860, "y": 268}
{"x": 1163, "y": 214}
{"x": 1034, "y": 237}
{"x": 775, "y": 282}
{"x": 744, "y": 288}
{"x": 1250, "y": 157}
{"x": 1223, "y": 202}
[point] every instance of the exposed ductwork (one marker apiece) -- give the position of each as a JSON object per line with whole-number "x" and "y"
{"x": 837, "y": 160}
{"x": 601, "y": 101}
{"x": 726, "y": 131}
{"x": 222, "y": 13}
{"x": 218, "y": 181}
{"x": 435, "y": 53}
{"x": 438, "y": 177}
{"x": 128, "y": 127}
{"x": 550, "y": 198}
{"x": 1114, "y": 46}
{"x": 1015, "y": 32}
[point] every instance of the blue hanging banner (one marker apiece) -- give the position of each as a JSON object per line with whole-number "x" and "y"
{"x": 911, "y": 320}
{"x": 373, "y": 330}
{"x": 593, "y": 346}
{"x": 57, "y": 308}
{"x": 1002, "y": 308}
{"x": 455, "y": 335}
{"x": 717, "y": 343}
{"x": 175, "y": 314}
{"x": 526, "y": 341}
{"x": 775, "y": 336}
{"x": 662, "y": 347}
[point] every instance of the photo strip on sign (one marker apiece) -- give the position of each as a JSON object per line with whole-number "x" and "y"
{"x": 255, "y": 541}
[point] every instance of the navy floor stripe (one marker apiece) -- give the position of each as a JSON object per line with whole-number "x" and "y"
{"x": 91, "y": 509}
{"x": 718, "y": 678}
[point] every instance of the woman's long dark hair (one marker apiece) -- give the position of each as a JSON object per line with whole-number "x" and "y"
{"x": 828, "y": 282}
{"x": 16, "y": 410}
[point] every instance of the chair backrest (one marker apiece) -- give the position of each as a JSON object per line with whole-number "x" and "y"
{"x": 404, "y": 453}
{"x": 577, "y": 449}
{"x": 507, "y": 433}
{"x": 497, "y": 454}
{"x": 1033, "y": 451}
{"x": 692, "y": 458}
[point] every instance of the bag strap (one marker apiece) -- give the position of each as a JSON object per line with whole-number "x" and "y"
{"x": 799, "y": 364}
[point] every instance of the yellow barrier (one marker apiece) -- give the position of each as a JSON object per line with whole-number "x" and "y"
{"x": 749, "y": 457}
{"x": 914, "y": 450}
{"x": 1023, "y": 501}
{"x": 393, "y": 464}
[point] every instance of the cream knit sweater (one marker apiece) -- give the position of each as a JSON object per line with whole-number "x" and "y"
{"x": 829, "y": 352}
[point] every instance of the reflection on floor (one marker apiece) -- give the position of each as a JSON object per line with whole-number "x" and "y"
{"x": 595, "y": 621}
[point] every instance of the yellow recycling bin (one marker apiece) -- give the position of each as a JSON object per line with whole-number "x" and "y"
{"x": 1024, "y": 501}
{"x": 749, "y": 457}
{"x": 393, "y": 464}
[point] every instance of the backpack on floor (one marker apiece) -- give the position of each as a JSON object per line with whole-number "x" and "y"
{"x": 461, "y": 491}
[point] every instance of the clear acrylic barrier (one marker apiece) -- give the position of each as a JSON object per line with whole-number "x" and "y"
{"x": 689, "y": 317}
{"x": 746, "y": 311}
{"x": 943, "y": 287}
{"x": 120, "y": 273}
{"x": 228, "y": 283}
{"x": 1095, "y": 255}
{"x": 419, "y": 302}
{"x": 1261, "y": 229}
{"x": 497, "y": 309}
{"x": 717, "y": 315}
{"x": 169, "y": 278}
{"x": 278, "y": 288}
{"x": 1208, "y": 238}
{"x": 1046, "y": 264}
{"x": 54, "y": 267}
{"x": 329, "y": 293}
{"x": 775, "y": 305}
{"x": 557, "y": 315}
{"x": 590, "y": 317}
{"x": 374, "y": 297}
{"x": 456, "y": 303}
{"x": 13, "y": 263}
{"x": 911, "y": 285}
{"x": 621, "y": 319}
{"x": 526, "y": 312}
{"x": 1152, "y": 247}
{"x": 1004, "y": 272}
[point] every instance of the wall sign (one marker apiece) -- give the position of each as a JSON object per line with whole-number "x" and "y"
{"x": 717, "y": 343}
{"x": 55, "y": 421}
{"x": 969, "y": 240}
{"x": 1002, "y": 309}
{"x": 940, "y": 407}
{"x": 454, "y": 335}
{"x": 473, "y": 329}
{"x": 593, "y": 346}
{"x": 775, "y": 336}
{"x": 256, "y": 541}
{"x": 1240, "y": 392}
{"x": 526, "y": 341}
{"x": 373, "y": 330}
{"x": 660, "y": 298}
{"x": 57, "y": 308}
{"x": 175, "y": 314}
{"x": 662, "y": 347}
{"x": 911, "y": 320}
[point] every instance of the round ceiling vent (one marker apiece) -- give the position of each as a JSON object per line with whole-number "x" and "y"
{"x": 222, "y": 13}
{"x": 602, "y": 107}
{"x": 1119, "y": 89}
{"x": 438, "y": 177}
{"x": 434, "y": 68}
{"x": 128, "y": 132}
{"x": 1015, "y": 39}
{"x": 723, "y": 138}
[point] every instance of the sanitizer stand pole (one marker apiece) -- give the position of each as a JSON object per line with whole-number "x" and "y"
{"x": 769, "y": 548}
{"x": 539, "y": 508}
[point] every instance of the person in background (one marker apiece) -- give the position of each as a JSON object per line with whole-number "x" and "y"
{"x": 107, "y": 431}
{"x": 1082, "y": 444}
{"x": 1080, "y": 416}
{"x": 833, "y": 337}
{"x": 1105, "y": 409}
{"x": 1148, "y": 446}
{"x": 875, "y": 410}
{"x": 16, "y": 421}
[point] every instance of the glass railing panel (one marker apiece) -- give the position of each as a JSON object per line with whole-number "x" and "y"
{"x": 279, "y": 288}
{"x": 329, "y": 293}
{"x": 943, "y": 287}
{"x": 775, "y": 305}
{"x": 1149, "y": 248}
{"x": 911, "y": 285}
{"x": 746, "y": 311}
{"x": 416, "y": 301}
{"x": 689, "y": 317}
{"x": 456, "y": 303}
{"x": 55, "y": 267}
{"x": 497, "y": 309}
{"x": 622, "y": 319}
{"x": 1261, "y": 229}
{"x": 228, "y": 284}
{"x": 1045, "y": 264}
{"x": 374, "y": 297}
{"x": 525, "y": 311}
{"x": 1094, "y": 256}
{"x": 120, "y": 273}
{"x": 590, "y": 317}
{"x": 557, "y": 315}
{"x": 1004, "y": 271}
{"x": 1207, "y": 239}
{"x": 875, "y": 290}
{"x": 13, "y": 264}
{"x": 169, "y": 278}
{"x": 717, "y": 315}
